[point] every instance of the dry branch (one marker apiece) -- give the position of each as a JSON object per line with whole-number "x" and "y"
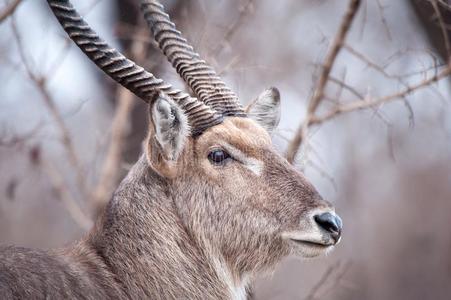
{"x": 318, "y": 95}
{"x": 244, "y": 11}
{"x": 40, "y": 82}
{"x": 9, "y": 10}
{"x": 368, "y": 103}
{"x": 65, "y": 197}
{"x": 346, "y": 86}
{"x": 444, "y": 30}
{"x": 383, "y": 19}
{"x": 367, "y": 61}
{"x": 17, "y": 139}
{"x": 333, "y": 273}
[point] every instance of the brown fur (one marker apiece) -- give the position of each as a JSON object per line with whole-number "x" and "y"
{"x": 185, "y": 230}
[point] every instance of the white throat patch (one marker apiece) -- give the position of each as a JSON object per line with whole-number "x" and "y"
{"x": 237, "y": 290}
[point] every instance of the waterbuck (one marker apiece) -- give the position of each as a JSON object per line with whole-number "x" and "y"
{"x": 207, "y": 207}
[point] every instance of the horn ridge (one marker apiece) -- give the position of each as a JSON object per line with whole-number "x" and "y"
{"x": 108, "y": 59}
{"x": 201, "y": 77}
{"x": 126, "y": 72}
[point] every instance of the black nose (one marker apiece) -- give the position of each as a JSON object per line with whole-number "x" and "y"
{"x": 330, "y": 223}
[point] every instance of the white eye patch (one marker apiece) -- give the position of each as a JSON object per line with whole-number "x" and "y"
{"x": 251, "y": 163}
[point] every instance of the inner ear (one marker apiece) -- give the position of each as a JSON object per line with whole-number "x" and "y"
{"x": 168, "y": 133}
{"x": 265, "y": 110}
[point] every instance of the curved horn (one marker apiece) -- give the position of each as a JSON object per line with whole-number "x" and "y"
{"x": 126, "y": 72}
{"x": 196, "y": 72}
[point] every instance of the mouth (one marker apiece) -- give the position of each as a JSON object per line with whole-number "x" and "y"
{"x": 308, "y": 248}
{"x": 312, "y": 244}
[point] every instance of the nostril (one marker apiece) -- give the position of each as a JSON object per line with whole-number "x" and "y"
{"x": 330, "y": 223}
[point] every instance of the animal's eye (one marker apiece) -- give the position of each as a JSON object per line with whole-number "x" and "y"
{"x": 218, "y": 157}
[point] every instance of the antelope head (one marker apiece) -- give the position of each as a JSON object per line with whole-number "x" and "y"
{"x": 238, "y": 198}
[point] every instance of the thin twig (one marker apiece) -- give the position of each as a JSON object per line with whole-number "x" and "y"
{"x": 323, "y": 173}
{"x": 383, "y": 19}
{"x": 338, "y": 269}
{"x": 41, "y": 84}
{"x": 381, "y": 70}
{"x": 20, "y": 139}
{"x": 332, "y": 55}
{"x": 369, "y": 63}
{"x": 436, "y": 7}
{"x": 322, "y": 281}
{"x": 244, "y": 11}
{"x": 337, "y": 281}
{"x": 65, "y": 197}
{"x": 445, "y": 5}
{"x": 368, "y": 103}
{"x": 9, "y": 10}
{"x": 346, "y": 86}
{"x": 318, "y": 95}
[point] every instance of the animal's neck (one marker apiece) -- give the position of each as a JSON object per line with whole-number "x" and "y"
{"x": 144, "y": 243}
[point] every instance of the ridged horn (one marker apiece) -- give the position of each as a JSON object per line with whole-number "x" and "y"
{"x": 126, "y": 72}
{"x": 201, "y": 78}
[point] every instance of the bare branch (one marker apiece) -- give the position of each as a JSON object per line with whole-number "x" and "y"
{"x": 443, "y": 28}
{"x": 445, "y": 5}
{"x": 244, "y": 11}
{"x": 346, "y": 86}
{"x": 383, "y": 19}
{"x": 9, "y": 10}
{"x": 332, "y": 55}
{"x": 40, "y": 83}
{"x": 337, "y": 269}
{"x": 20, "y": 139}
{"x": 323, "y": 173}
{"x": 366, "y": 60}
{"x": 65, "y": 197}
{"x": 338, "y": 280}
{"x": 365, "y": 103}
{"x": 320, "y": 283}
{"x": 318, "y": 95}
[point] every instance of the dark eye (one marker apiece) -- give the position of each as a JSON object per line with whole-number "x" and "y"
{"x": 218, "y": 157}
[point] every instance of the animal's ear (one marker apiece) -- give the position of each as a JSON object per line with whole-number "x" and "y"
{"x": 168, "y": 134}
{"x": 265, "y": 110}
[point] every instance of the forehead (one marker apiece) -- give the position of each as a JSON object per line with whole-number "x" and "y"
{"x": 237, "y": 131}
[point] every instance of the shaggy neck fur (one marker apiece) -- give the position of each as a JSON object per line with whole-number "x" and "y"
{"x": 152, "y": 255}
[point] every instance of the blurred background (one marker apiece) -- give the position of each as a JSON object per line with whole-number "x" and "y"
{"x": 379, "y": 147}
